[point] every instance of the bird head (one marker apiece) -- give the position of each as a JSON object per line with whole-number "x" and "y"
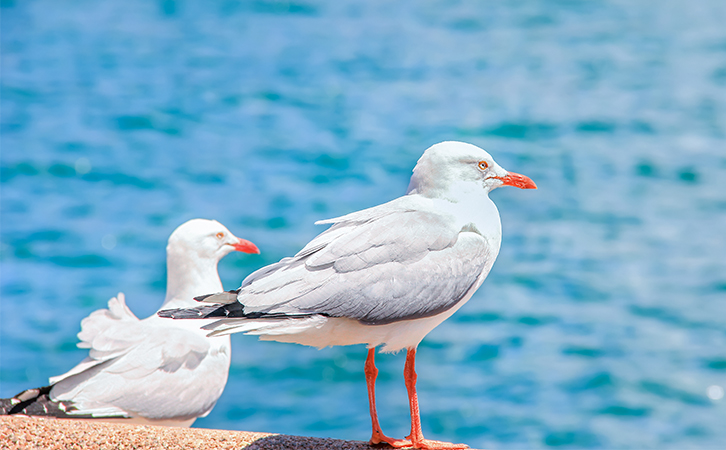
{"x": 207, "y": 239}
{"x": 448, "y": 168}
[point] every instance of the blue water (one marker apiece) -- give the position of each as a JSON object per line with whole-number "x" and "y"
{"x": 602, "y": 324}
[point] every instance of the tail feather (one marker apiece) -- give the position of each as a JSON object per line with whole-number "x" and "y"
{"x": 265, "y": 326}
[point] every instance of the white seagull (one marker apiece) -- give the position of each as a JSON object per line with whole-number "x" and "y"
{"x": 383, "y": 276}
{"x": 149, "y": 371}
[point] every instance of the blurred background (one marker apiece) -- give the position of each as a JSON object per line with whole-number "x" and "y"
{"x": 603, "y": 322}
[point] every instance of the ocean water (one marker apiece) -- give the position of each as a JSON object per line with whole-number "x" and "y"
{"x": 603, "y": 322}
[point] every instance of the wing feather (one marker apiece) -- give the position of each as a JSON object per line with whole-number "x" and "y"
{"x": 137, "y": 367}
{"x": 385, "y": 264}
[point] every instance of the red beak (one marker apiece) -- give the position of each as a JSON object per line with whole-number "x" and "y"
{"x": 517, "y": 180}
{"x": 246, "y": 247}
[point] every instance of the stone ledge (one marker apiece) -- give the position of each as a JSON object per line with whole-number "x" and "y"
{"x": 23, "y": 432}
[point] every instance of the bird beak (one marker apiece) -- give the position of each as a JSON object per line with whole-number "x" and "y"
{"x": 245, "y": 246}
{"x": 517, "y": 180}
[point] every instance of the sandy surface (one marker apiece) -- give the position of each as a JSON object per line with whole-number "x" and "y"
{"x": 22, "y": 432}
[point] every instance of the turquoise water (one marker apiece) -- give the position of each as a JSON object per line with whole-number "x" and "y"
{"x": 602, "y": 324}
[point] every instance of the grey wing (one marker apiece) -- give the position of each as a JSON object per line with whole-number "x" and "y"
{"x": 403, "y": 264}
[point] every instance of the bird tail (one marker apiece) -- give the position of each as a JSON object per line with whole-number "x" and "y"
{"x": 232, "y": 317}
{"x": 265, "y": 326}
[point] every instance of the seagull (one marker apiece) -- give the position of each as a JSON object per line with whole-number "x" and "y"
{"x": 384, "y": 276}
{"x": 150, "y": 371}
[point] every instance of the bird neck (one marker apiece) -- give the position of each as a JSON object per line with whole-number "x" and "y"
{"x": 473, "y": 210}
{"x": 188, "y": 277}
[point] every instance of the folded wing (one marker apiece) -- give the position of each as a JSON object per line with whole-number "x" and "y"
{"x": 378, "y": 266}
{"x": 135, "y": 368}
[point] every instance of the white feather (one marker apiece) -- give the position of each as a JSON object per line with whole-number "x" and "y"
{"x": 154, "y": 370}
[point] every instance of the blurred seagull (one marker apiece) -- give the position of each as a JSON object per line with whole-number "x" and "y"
{"x": 386, "y": 275}
{"x": 149, "y": 371}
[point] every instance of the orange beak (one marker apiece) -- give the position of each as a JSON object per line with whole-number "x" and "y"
{"x": 246, "y": 247}
{"x": 517, "y": 180}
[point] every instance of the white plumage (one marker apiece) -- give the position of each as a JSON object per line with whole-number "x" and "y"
{"x": 384, "y": 276}
{"x": 155, "y": 371}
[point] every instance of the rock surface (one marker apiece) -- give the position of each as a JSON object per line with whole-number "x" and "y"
{"x": 22, "y": 432}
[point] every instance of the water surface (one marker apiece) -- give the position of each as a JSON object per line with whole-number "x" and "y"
{"x": 603, "y": 322}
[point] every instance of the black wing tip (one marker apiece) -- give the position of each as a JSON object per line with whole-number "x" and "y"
{"x": 179, "y": 313}
{"x": 37, "y": 402}
{"x": 221, "y": 311}
{"x": 200, "y": 312}
{"x": 167, "y": 313}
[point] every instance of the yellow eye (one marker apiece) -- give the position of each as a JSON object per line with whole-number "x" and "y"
{"x": 220, "y": 235}
{"x": 483, "y": 165}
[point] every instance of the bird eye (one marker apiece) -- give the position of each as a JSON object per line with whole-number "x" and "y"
{"x": 220, "y": 235}
{"x": 483, "y": 165}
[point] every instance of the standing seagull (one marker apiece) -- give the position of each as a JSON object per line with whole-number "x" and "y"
{"x": 149, "y": 371}
{"x": 386, "y": 275}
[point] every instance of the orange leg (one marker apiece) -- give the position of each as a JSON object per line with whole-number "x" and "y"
{"x": 409, "y": 374}
{"x": 377, "y": 437}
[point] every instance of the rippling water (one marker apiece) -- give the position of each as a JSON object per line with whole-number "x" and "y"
{"x": 603, "y": 323}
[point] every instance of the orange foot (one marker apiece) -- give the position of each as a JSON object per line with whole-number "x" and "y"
{"x": 428, "y": 444}
{"x": 380, "y": 438}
